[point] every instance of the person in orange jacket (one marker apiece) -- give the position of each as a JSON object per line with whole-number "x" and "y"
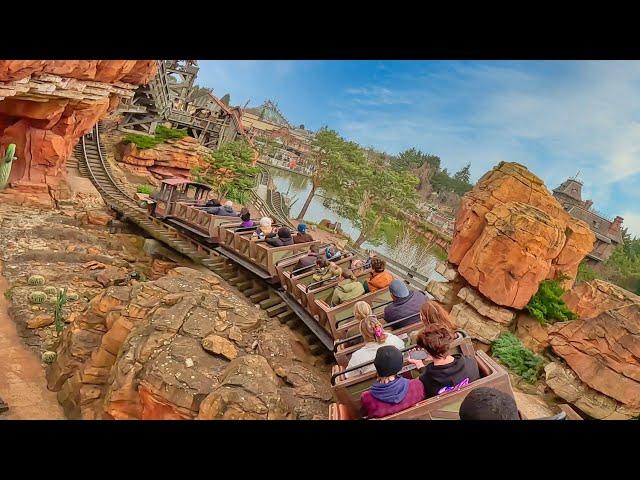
{"x": 380, "y": 278}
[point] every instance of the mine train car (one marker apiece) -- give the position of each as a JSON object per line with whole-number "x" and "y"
{"x": 181, "y": 204}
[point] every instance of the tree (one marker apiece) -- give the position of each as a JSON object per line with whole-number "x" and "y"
{"x": 413, "y": 158}
{"x": 328, "y": 150}
{"x": 229, "y": 171}
{"x": 463, "y": 175}
{"x": 371, "y": 193}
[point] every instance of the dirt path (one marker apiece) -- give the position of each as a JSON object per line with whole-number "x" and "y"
{"x": 22, "y": 383}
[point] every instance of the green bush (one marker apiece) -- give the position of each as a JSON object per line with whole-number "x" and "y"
{"x": 585, "y": 273}
{"x": 547, "y": 306}
{"x": 162, "y": 134}
{"x": 509, "y": 350}
{"x": 165, "y": 133}
{"x": 147, "y": 189}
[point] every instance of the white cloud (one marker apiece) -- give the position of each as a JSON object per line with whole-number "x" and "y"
{"x": 632, "y": 222}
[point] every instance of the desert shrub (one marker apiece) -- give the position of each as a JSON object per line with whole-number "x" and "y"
{"x": 165, "y": 133}
{"x": 146, "y": 189}
{"x": 509, "y": 350}
{"x": 547, "y": 305}
{"x": 162, "y": 134}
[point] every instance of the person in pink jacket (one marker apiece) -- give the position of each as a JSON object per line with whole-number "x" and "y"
{"x": 390, "y": 393}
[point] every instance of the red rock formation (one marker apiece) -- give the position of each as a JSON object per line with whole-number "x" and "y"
{"x": 47, "y": 105}
{"x": 603, "y": 347}
{"x": 511, "y": 234}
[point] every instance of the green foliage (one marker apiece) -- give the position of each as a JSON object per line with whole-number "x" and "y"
{"x": 229, "y": 171}
{"x": 146, "y": 189}
{"x": 509, "y": 350}
{"x": 585, "y": 273}
{"x": 8, "y": 293}
{"x": 38, "y": 297}
{"x": 441, "y": 181}
{"x": 623, "y": 266}
{"x": 162, "y": 134}
{"x": 35, "y": 280}
{"x": 413, "y": 158}
{"x": 58, "y": 310}
{"x": 49, "y": 357}
{"x": 50, "y": 290}
{"x": 547, "y": 305}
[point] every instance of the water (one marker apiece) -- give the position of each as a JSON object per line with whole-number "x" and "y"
{"x": 410, "y": 250}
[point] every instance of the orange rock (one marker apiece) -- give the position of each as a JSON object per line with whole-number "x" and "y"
{"x": 40, "y": 321}
{"x": 510, "y": 234}
{"x": 156, "y": 408}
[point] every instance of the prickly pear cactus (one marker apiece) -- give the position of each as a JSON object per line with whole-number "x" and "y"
{"x": 72, "y": 297}
{"x": 51, "y": 290}
{"x": 49, "y": 357}
{"x": 38, "y": 297}
{"x": 5, "y": 165}
{"x": 36, "y": 280}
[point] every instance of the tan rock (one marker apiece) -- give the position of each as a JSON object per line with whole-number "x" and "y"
{"x": 477, "y": 327}
{"x": 444, "y": 292}
{"x": 235, "y": 334}
{"x": 220, "y": 346}
{"x": 532, "y": 333}
{"x": 40, "y": 321}
{"x": 486, "y": 308}
{"x": 448, "y": 271}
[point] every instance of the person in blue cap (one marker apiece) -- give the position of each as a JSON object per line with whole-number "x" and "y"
{"x": 302, "y": 236}
{"x": 405, "y": 306}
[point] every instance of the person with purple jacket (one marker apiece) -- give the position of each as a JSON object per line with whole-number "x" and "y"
{"x": 390, "y": 393}
{"x": 405, "y": 304}
{"x": 246, "y": 220}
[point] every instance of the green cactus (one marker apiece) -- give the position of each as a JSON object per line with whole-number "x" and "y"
{"x": 5, "y": 165}
{"x": 36, "y": 280}
{"x": 38, "y": 297}
{"x": 72, "y": 297}
{"x": 49, "y": 357}
{"x": 58, "y": 312}
{"x": 51, "y": 290}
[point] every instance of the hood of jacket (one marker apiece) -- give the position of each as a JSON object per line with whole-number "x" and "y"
{"x": 392, "y": 392}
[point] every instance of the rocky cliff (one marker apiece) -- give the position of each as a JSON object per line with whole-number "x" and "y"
{"x": 182, "y": 347}
{"x": 47, "y": 105}
{"x": 511, "y": 233}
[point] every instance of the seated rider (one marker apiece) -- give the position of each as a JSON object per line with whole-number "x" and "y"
{"x": 486, "y": 403}
{"x": 325, "y": 269}
{"x": 332, "y": 253}
{"x": 348, "y": 288}
{"x": 374, "y": 337}
{"x": 448, "y": 372}
{"x": 280, "y": 239}
{"x": 265, "y": 227}
{"x": 379, "y": 278}
{"x": 246, "y": 219}
{"x": 225, "y": 210}
{"x": 309, "y": 259}
{"x": 405, "y": 304}
{"x": 390, "y": 393}
{"x": 302, "y": 236}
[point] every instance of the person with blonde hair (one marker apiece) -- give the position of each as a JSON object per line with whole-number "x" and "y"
{"x": 373, "y": 335}
{"x": 264, "y": 228}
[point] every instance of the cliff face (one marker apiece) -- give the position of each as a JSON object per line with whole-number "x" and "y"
{"x": 47, "y": 105}
{"x": 510, "y": 234}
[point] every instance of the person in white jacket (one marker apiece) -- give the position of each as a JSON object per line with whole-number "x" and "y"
{"x": 374, "y": 336}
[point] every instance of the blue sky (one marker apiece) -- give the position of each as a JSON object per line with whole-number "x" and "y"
{"x": 555, "y": 117}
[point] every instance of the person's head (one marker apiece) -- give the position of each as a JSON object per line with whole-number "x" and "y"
{"x": 245, "y": 217}
{"x": 322, "y": 262}
{"x": 388, "y": 361}
{"x": 284, "y": 233}
{"x": 347, "y": 274}
{"x": 228, "y": 204}
{"x": 378, "y": 265}
{"x": 265, "y": 223}
{"x": 432, "y": 313}
{"x": 302, "y": 228}
{"x": 361, "y": 310}
{"x": 398, "y": 289}
{"x": 244, "y": 210}
{"x": 313, "y": 249}
{"x": 372, "y": 330}
{"x": 330, "y": 250}
{"x": 356, "y": 264}
{"x": 486, "y": 403}
{"x": 435, "y": 339}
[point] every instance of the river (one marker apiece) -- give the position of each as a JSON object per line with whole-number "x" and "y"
{"x": 410, "y": 249}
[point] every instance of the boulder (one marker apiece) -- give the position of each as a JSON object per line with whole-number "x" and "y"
{"x": 532, "y": 333}
{"x": 220, "y": 346}
{"x": 510, "y": 234}
{"x": 485, "y": 307}
{"x": 40, "y": 321}
{"x": 590, "y": 299}
{"x": 477, "y": 326}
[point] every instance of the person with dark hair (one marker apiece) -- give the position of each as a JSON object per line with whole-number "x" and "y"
{"x": 486, "y": 403}
{"x": 448, "y": 372}
{"x": 405, "y": 304}
{"x": 246, "y": 219}
{"x": 390, "y": 393}
{"x": 225, "y": 210}
{"x": 302, "y": 236}
{"x": 309, "y": 259}
{"x": 348, "y": 288}
{"x": 280, "y": 239}
{"x": 325, "y": 269}
{"x": 379, "y": 278}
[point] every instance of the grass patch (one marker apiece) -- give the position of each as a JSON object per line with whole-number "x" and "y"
{"x": 162, "y": 134}
{"x": 547, "y": 306}
{"x": 8, "y": 293}
{"x": 146, "y": 189}
{"x": 509, "y": 350}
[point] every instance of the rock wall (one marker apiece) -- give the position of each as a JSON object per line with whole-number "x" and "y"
{"x": 173, "y": 158}
{"x": 511, "y": 233}
{"x": 47, "y": 105}
{"x": 181, "y": 347}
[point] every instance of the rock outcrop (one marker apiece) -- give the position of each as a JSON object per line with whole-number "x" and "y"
{"x": 602, "y": 348}
{"x": 173, "y": 158}
{"x": 47, "y": 105}
{"x": 511, "y": 234}
{"x": 181, "y": 347}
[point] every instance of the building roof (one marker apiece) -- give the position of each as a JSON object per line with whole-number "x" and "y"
{"x": 598, "y": 224}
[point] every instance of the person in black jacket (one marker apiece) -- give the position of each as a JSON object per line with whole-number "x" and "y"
{"x": 282, "y": 238}
{"x": 486, "y": 403}
{"x": 310, "y": 259}
{"x": 448, "y": 372}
